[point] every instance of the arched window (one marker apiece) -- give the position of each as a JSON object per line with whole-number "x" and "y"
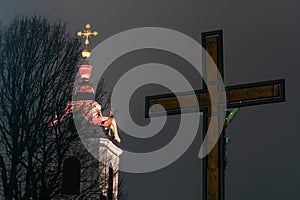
{"x": 71, "y": 176}
{"x": 110, "y": 184}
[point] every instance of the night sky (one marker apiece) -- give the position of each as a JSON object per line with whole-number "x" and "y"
{"x": 261, "y": 42}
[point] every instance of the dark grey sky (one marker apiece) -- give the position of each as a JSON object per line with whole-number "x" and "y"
{"x": 261, "y": 42}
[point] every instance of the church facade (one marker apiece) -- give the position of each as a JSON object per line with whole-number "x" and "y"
{"x": 91, "y": 159}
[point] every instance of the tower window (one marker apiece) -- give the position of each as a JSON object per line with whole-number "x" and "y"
{"x": 110, "y": 184}
{"x": 71, "y": 176}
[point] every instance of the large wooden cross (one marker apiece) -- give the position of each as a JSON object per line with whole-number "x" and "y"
{"x": 237, "y": 96}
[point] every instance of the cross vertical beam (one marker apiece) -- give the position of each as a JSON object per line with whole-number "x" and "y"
{"x": 213, "y": 166}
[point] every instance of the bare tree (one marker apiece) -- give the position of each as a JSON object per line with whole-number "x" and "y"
{"x": 37, "y": 68}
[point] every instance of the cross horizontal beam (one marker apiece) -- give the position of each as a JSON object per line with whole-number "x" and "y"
{"x": 237, "y": 96}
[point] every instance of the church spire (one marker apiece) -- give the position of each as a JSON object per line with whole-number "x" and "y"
{"x": 84, "y": 90}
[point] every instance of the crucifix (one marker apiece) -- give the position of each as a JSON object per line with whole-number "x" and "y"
{"x": 237, "y": 96}
{"x": 86, "y": 34}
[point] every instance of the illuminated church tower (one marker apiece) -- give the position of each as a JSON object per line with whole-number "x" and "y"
{"x": 91, "y": 163}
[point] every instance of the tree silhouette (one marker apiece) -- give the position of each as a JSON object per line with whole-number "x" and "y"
{"x": 36, "y": 59}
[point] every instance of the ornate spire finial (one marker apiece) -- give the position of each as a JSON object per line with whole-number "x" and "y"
{"x": 86, "y": 34}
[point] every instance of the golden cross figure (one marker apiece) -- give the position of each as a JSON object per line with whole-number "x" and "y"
{"x": 86, "y": 34}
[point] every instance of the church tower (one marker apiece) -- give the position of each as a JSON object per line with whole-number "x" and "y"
{"x": 91, "y": 162}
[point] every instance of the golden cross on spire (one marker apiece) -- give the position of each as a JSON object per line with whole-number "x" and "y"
{"x": 86, "y": 34}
